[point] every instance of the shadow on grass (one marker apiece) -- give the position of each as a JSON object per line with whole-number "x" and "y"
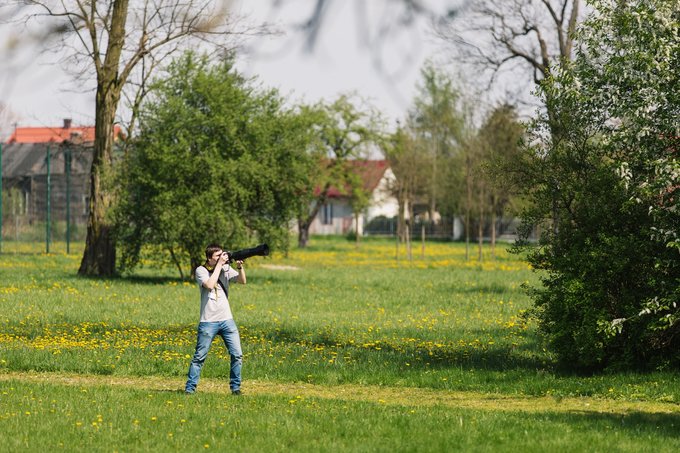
{"x": 644, "y": 424}
{"x": 142, "y": 279}
{"x": 136, "y": 279}
{"x": 420, "y": 354}
{"x": 493, "y": 288}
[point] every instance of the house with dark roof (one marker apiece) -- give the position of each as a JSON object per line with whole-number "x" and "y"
{"x": 336, "y": 216}
{"x": 26, "y": 171}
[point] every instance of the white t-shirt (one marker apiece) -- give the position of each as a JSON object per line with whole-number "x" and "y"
{"x": 214, "y": 303}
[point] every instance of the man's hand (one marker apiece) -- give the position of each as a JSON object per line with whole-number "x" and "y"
{"x": 241, "y": 272}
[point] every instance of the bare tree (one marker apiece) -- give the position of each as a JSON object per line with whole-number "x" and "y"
{"x": 119, "y": 43}
{"x": 526, "y": 38}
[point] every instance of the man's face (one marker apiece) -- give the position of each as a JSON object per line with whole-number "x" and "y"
{"x": 215, "y": 258}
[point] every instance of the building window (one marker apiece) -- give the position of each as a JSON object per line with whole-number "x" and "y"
{"x": 327, "y": 214}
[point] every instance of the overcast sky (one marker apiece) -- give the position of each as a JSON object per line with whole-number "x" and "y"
{"x": 347, "y": 56}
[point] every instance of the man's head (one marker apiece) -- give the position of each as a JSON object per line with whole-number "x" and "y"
{"x": 212, "y": 253}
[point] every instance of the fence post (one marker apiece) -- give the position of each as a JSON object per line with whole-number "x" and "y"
{"x": 67, "y": 164}
{"x": 49, "y": 189}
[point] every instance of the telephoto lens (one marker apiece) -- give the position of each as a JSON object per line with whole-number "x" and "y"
{"x": 240, "y": 255}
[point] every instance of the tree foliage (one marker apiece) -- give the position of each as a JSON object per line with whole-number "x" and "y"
{"x": 499, "y": 140}
{"x": 401, "y": 149}
{"x": 439, "y": 120}
{"x": 216, "y": 160}
{"x": 342, "y": 131}
{"x": 605, "y": 178}
{"x": 119, "y": 44}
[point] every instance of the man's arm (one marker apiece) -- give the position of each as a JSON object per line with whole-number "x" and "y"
{"x": 211, "y": 282}
{"x": 241, "y": 273}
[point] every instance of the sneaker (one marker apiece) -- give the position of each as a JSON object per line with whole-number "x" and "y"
{"x": 189, "y": 392}
{"x": 236, "y": 392}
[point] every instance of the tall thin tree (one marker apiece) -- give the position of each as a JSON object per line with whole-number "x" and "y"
{"x": 119, "y": 43}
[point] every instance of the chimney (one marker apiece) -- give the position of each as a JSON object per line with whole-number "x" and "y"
{"x": 67, "y": 123}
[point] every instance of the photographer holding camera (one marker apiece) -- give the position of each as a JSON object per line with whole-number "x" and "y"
{"x": 213, "y": 278}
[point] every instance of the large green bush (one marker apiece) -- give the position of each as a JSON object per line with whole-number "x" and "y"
{"x": 217, "y": 159}
{"x": 604, "y": 180}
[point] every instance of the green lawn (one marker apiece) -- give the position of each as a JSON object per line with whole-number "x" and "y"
{"x": 343, "y": 347}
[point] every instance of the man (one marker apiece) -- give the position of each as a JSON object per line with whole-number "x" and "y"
{"x": 213, "y": 279}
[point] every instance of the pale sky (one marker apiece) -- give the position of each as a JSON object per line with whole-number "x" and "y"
{"x": 342, "y": 61}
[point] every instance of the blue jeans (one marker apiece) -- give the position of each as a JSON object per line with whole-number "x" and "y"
{"x": 206, "y": 332}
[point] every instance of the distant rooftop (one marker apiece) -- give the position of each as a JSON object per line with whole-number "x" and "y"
{"x": 370, "y": 172}
{"x": 81, "y": 134}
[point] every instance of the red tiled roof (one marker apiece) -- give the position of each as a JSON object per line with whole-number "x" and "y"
{"x": 55, "y": 134}
{"x": 370, "y": 171}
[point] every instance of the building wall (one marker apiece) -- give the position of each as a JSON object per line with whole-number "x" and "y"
{"x": 79, "y": 186}
{"x": 25, "y": 175}
{"x": 333, "y": 218}
{"x": 381, "y": 203}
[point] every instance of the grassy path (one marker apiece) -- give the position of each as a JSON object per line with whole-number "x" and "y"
{"x": 401, "y": 396}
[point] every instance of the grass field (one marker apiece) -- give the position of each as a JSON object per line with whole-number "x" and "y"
{"x": 345, "y": 349}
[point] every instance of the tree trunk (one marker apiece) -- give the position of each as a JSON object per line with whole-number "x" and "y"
{"x": 305, "y": 223}
{"x": 468, "y": 205}
{"x": 480, "y": 228}
{"x": 99, "y": 257}
{"x": 408, "y": 243}
{"x": 195, "y": 262}
{"x": 177, "y": 263}
{"x": 411, "y": 223}
{"x": 493, "y": 234}
{"x": 356, "y": 229}
{"x": 303, "y": 233}
{"x": 401, "y": 219}
{"x": 480, "y": 238}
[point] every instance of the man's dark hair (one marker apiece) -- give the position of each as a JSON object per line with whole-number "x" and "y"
{"x": 212, "y": 248}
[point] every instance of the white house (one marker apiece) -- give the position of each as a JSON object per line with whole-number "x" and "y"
{"x": 336, "y": 216}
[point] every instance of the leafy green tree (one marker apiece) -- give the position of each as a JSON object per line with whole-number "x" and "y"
{"x": 358, "y": 200}
{"x": 411, "y": 176}
{"x": 216, "y": 160}
{"x": 611, "y": 283}
{"x": 439, "y": 122}
{"x": 118, "y": 44}
{"x": 342, "y": 131}
{"x": 499, "y": 138}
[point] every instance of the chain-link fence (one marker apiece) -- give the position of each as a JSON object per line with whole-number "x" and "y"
{"x": 45, "y": 191}
{"x": 445, "y": 229}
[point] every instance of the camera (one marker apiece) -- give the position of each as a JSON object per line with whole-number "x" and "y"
{"x": 240, "y": 255}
